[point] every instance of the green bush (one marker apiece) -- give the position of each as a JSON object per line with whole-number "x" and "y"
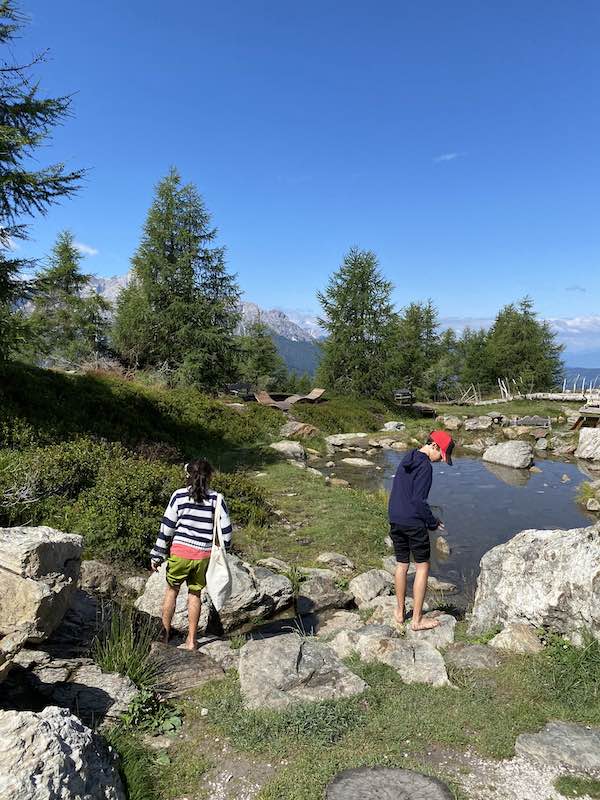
{"x": 124, "y": 645}
{"x": 345, "y": 414}
{"x": 113, "y": 498}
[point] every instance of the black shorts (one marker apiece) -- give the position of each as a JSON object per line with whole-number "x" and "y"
{"x": 410, "y": 540}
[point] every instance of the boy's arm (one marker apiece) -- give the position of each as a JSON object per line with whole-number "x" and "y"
{"x": 160, "y": 551}
{"x": 421, "y": 487}
{"x": 226, "y": 526}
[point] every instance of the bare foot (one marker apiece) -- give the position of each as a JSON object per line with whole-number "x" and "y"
{"x": 188, "y": 645}
{"x": 426, "y": 624}
{"x": 399, "y": 615}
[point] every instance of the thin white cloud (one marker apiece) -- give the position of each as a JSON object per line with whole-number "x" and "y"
{"x": 447, "y": 157}
{"x": 576, "y": 288}
{"x": 86, "y": 249}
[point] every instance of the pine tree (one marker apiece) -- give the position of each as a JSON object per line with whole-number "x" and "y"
{"x": 304, "y": 384}
{"x": 474, "y": 363}
{"x": 66, "y": 326}
{"x": 260, "y": 363}
{"x": 181, "y": 306}
{"x": 359, "y": 319}
{"x": 523, "y": 349}
{"x": 26, "y": 121}
{"x": 417, "y": 347}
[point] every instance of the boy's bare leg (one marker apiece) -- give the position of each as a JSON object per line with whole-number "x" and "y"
{"x": 194, "y": 606}
{"x": 168, "y": 610}
{"x": 400, "y": 582}
{"x": 419, "y": 591}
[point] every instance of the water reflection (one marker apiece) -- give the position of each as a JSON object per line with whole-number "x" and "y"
{"x": 508, "y": 475}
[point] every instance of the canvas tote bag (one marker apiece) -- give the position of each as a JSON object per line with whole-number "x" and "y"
{"x": 218, "y": 576}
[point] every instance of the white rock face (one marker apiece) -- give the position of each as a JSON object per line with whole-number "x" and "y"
{"x": 371, "y": 584}
{"x": 256, "y": 592}
{"x": 541, "y": 578}
{"x": 518, "y": 455}
{"x": 282, "y": 670}
{"x": 589, "y": 444}
{"x": 39, "y": 568}
{"x": 52, "y": 755}
{"x": 290, "y": 449}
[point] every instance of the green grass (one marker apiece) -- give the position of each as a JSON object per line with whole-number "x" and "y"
{"x": 124, "y": 646}
{"x": 520, "y": 408}
{"x": 346, "y": 414}
{"x": 353, "y": 522}
{"x": 136, "y": 766}
{"x": 572, "y": 786}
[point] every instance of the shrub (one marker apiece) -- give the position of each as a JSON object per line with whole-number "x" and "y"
{"x": 344, "y": 414}
{"x": 246, "y": 501}
{"x": 124, "y": 645}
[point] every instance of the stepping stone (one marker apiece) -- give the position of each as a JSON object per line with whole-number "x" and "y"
{"x": 472, "y": 656}
{"x": 441, "y": 636}
{"x": 383, "y": 783}
{"x": 183, "y": 670}
{"x": 575, "y": 746}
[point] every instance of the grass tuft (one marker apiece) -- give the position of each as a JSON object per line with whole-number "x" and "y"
{"x": 573, "y": 786}
{"x": 123, "y": 645}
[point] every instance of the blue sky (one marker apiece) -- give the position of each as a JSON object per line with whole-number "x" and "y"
{"x": 459, "y": 141}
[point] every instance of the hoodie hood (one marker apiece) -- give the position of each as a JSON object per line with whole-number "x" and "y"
{"x": 412, "y": 460}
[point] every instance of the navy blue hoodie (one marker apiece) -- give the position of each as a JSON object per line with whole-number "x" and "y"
{"x": 408, "y": 506}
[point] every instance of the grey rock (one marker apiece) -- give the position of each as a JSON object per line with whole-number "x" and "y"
{"x": 52, "y": 755}
{"x": 371, "y": 584}
{"x": 564, "y": 743}
{"x": 338, "y": 562}
{"x": 518, "y": 455}
{"x": 443, "y": 587}
{"x": 541, "y": 444}
{"x": 39, "y": 567}
{"x": 134, "y": 584}
{"x": 282, "y": 670}
{"x": 589, "y": 444}
{"x": 393, "y": 425}
{"x": 290, "y": 450}
{"x": 442, "y": 546}
{"x": 339, "y": 621}
{"x": 184, "y": 670}
{"x": 221, "y": 652}
{"x": 441, "y": 636}
{"x": 301, "y": 429}
{"x": 321, "y": 593}
{"x": 274, "y": 564}
{"x": 345, "y": 439}
{"x": 95, "y": 576}
{"x": 517, "y": 638}
{"x": 541, "y": 578}
{"x": 358, "y": 462}
{"x": 593, "y": 504}
{"x": 450, "y": 422}
{"x": 319, "y": 572}
{"x": 472, "y": 656}
{"x": 381, "y": 783}
{"x": 482, "y": 423}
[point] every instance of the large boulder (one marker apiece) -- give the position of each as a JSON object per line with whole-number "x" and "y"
{"x": 256, "y": 592}
{"x": 96, "y": 576}
{"x": 289, "y": 449}
{"x": 518, "y": 455}
{"x": 589, "y": 444}
{"x": 282, "y": 670}
{"x": 52, "y": 755}
{"x": 319, "y": 593}
{"x": 541, "y": 578}
{"x": 39, "y": 568}
{"x": 415, "y": 661}
{"x": 371, "y": 584}
{"x": 345, "y": 439}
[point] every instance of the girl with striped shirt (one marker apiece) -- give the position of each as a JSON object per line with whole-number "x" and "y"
{"x": 185, "y": 541}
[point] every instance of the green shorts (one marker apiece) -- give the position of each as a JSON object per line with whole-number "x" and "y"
{"x": 190, "y": 571}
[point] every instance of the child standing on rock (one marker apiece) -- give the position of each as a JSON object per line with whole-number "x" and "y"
{"x": 411, "y": 520}
{"x": 185, "y": 540}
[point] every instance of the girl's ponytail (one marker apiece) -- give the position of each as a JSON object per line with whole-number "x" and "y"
{"x": 199, "y": 474}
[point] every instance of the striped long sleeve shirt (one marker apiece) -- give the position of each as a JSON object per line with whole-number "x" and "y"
{"x": 186, "y": 529}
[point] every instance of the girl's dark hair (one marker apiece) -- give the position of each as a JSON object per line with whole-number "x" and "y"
{"x": 199, "y": 473}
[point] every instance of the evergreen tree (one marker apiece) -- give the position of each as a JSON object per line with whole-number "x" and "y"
{"x": 304, "y": 384}
{"x": 26, "y": 121}
{"x": 417, "y": 347}
{"x": 66, "y": 326}
{"x": 260, "y": 363}
{"x": 523, "y": 349}
{"x": 181, "y": 306}
{"x": 359, "y": 319}
{"x": 474, "y": 362}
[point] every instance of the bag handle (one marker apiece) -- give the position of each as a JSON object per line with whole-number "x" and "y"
{"x": 217, "y": 532}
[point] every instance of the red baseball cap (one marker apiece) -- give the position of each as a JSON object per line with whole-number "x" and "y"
{"x": 446, "y": 444}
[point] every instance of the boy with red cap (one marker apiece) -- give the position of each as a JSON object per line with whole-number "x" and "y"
{"x": 411, "y": 520}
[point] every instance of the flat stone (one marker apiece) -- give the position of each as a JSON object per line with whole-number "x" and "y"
{"x": 441, "y": 636}
{"x": 443, "y": 587}
{"x": 482, "y": 423}
{"x": 344, "y": 439}
{"x": 383, "y": 783}
{"x": 319, "y": 594}
{"x": 184, "y": 670}
{"x": 275, "y": 564}
{"x": 472, "y": 656}
{"x": 221, "y": 652}
{"x": 518, "y": 638}
{"x": 571, "y": 745}
{"x": 283, "y": 670}
{"x": 337, "y": 561}
{"x": 339, "y": 621}
{"x": 319, "y": 572}
{"x": 370, "y": 584}
{"x": 358, "y": 462}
